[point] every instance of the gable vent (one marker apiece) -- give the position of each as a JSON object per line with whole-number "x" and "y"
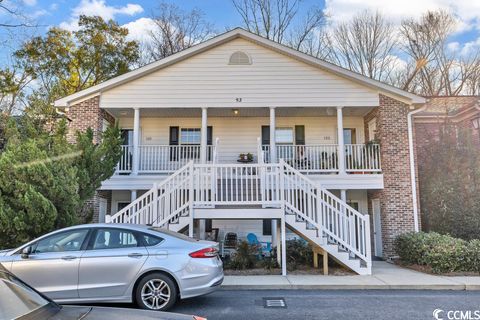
{"x": 240, "y": 58}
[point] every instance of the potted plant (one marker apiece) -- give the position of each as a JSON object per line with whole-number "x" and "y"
{"x": 243, "y": 156}
{"x": 249, "y": 156}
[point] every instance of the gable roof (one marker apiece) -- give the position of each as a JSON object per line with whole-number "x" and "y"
{"x": 448, "y": 105}
{"x": 223, "y": 38}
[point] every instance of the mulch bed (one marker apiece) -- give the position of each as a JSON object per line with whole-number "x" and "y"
{"x": 302, "y": 270}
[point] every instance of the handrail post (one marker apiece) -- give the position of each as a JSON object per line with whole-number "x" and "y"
{"x": 155, "y": 202}
{"x": 191, "y": 198}
{"x": 368, "y": 247}
{"x": 108, "y": 218}
{"x": 281, "y": 173}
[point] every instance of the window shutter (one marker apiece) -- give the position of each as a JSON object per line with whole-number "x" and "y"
{"x": 174, "y": 141}
{"x": 265, "y": 135}
{"x": 209, "y": 142}
{"x": 209, "y": 135}
{"x": 300, "y": 135}
{"x": 267, "y": 227}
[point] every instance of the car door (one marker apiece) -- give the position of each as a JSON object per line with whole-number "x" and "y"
{"x": 52, "y": 265}
{"x": 111, "y": 263}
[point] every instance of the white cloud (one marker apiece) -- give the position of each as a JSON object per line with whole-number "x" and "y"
{"x": 99, "y": 8}
{"x": 30, "y": 3}
{"x": 467, "y": 11}
{"x": 139, "y": 29}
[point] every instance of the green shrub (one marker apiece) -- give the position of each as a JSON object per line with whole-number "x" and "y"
{"x": 244, "y": 257}
{"x": 299, "y": 252}
{"x": 442, "y": 253}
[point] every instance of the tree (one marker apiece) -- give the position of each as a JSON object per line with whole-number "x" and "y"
{"x": 65, "y": 62}
{"x": 450, "y": 184}
{"x": 44, "y": 180}
{"x": 365, "y": 44}
{"x": 434, "y": 69}
{"x": 278, "y": 20}
{"x": 176, "y": 30}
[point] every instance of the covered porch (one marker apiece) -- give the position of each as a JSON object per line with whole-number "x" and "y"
{"x": 319, "y": 140}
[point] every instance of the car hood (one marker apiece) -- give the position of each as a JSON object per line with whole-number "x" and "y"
{"x": 103, "y": 313}
{"x": 4, "y": 252}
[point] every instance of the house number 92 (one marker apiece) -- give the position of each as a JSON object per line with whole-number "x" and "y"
{"x": 238, "y": 99}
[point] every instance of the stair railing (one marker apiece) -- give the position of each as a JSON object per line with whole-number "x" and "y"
{"x": 334, "y": 218}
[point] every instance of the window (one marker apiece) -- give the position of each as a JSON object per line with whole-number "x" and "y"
{"x": 284, "y": 135}
{"x": 239, "y": 58}
{"x": 150, "y": 240}
{"x": 114, "y": 239}
{"x": 61, "y": 242}
{"x": 349, "y": 136}
{"x": 353, "y": 204}
{"x": 267, "y": 227}
{"x": 190, "y": 136}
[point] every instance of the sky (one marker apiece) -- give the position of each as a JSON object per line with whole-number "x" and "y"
{"x": 135, "y": 14}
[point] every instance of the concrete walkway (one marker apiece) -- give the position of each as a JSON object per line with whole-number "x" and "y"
{"x": 384, "y": 276}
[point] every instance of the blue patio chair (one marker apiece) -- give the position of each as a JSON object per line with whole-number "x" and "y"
{"x": 264, "y": 247}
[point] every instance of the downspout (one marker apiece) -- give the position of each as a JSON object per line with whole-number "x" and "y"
{"x": 412, "y": 166}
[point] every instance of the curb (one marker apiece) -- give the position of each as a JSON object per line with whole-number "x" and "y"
{"x": 459, "y": 287}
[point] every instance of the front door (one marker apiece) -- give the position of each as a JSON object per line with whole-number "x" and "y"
{"x": 377, "y": 228}
{"x": 110, "y": 263}
{"x": 52, "y": 267}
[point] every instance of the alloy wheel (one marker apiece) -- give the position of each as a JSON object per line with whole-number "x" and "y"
{"x": 155, "y": 294}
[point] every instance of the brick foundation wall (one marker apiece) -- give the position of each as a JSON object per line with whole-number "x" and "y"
{"x": 396, "y": 197}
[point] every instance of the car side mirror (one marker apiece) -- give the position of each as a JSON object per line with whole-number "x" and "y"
{"x": 26, "y": 252}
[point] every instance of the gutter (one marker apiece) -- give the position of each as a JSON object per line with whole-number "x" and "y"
{"x": 412, "y": 166}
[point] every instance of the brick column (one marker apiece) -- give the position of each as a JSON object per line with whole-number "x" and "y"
{"x": 83, "y": 115}
{"x": 396, "y": 196}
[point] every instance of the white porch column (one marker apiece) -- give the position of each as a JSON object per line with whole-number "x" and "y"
{"x": 203, "y": 139}
{"x": 273, "y": 159}
{"x": 136, "y": 140}
{"x": 273, "y": 148}
{"x": 203, "y": 159}
{"x": 341, "y": 143}
{"x": 343, "y": 195}
{"x": 133, "y": 195}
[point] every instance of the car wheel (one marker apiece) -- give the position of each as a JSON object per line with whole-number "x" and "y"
{"x": 156, "y": 291}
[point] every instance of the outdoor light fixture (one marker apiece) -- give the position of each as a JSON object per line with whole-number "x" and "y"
{"x": 476, "y": 123}
{"x": 236, "y": 112}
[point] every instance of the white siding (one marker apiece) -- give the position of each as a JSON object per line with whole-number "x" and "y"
{"x": 239, "y": 135}
{"x": 208, "y": 80}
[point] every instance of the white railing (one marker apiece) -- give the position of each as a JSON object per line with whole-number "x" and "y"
{"x": 161, "y": 158}
{"x": 161, "y": 204}
{"x": 236, "y": 184}
{"x": 338, "y": 221}
{"x": 324, "y": 157}
{"x": 310, "y": 158}
{"x": 125, "y": 163}
{"x": 362, "y": 158}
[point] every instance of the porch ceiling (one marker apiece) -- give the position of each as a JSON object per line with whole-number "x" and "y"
{"x": 242, "y": 112}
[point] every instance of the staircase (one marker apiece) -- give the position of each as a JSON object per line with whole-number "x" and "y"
{"x": 310, "y": 210}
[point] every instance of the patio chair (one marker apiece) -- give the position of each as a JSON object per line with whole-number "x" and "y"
{"x": 230, "y": 240}
{"x": 263, "y": 247}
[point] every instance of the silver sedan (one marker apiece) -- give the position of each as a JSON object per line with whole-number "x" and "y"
{"x": 117, "y": 263}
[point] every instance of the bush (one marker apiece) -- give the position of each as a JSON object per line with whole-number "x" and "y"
{"x": 442, "y": 253}
{"x": 245, "y": 257}
{"x": 299, "y": 252}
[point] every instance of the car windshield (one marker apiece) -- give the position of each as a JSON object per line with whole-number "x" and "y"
{"x": 173, "y": 234}
{"x": 16, "y": 298}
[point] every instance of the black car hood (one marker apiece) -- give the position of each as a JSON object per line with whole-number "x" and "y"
{"x": 102, "y": 313}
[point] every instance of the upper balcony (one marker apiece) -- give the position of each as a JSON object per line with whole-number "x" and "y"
{"x": 332, "y": 150}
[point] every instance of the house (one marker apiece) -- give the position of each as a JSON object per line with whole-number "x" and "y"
{"x": 245, "y": 135}
{"x": 462, "y": 112}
